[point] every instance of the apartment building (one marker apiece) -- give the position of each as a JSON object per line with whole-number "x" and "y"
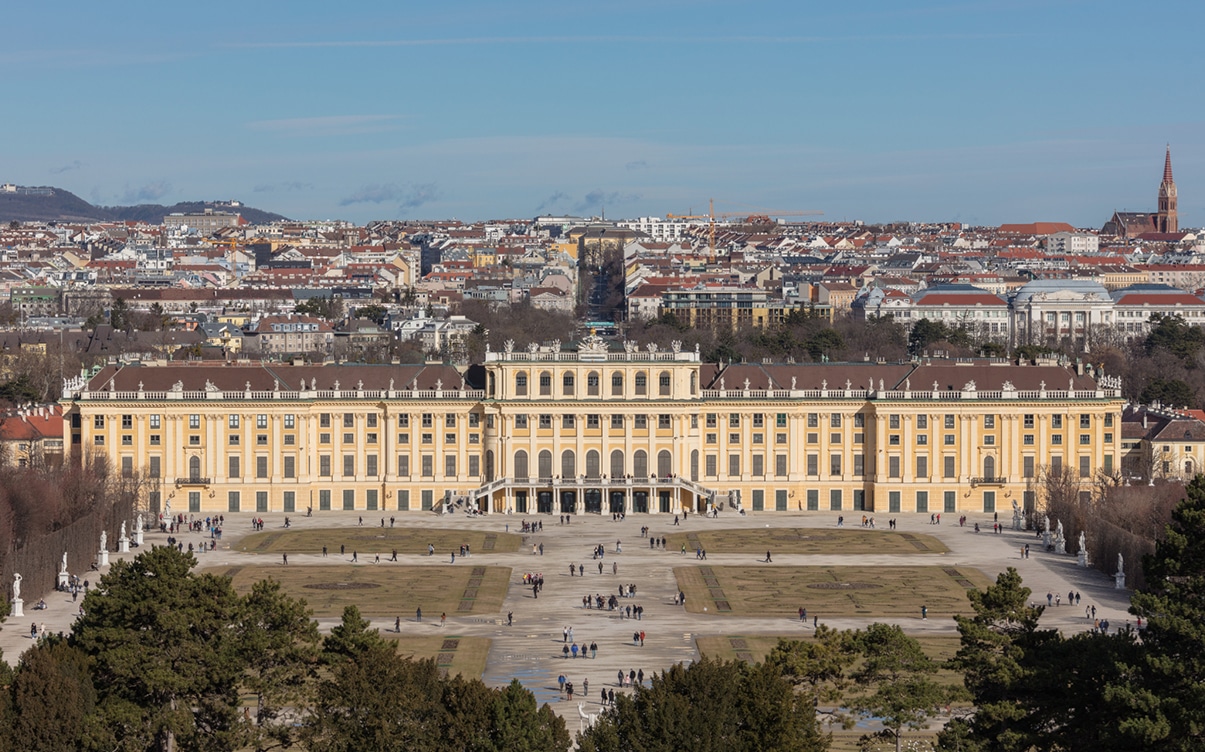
{"x": 539, "y": 430}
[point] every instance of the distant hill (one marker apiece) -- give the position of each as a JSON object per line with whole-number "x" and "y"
{"x": 58, "y": 205}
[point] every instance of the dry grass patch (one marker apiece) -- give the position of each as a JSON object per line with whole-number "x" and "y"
{"x": 805, "y": 540}
{"x": 453, "y": 653}
{"x": 384, "y": 591}
{"x": 870, "y": 592}
{"x": 368, "y": 541}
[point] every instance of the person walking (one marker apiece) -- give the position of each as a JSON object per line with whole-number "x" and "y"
{"x": 418, "y": 614}
{"x": 593, "y": 650}
{"x": 924, "y": 612}
{"x": 586, "y": 688}
{"x": 614, "y": 567}
{"x": 397, "y": 625}
{"x": 286, "y": 559}
{"x": 565, "y": 652}
{"x": 510, "y": 618}
{"x": 443, "y": 619}
{"x": 768, "y": 557}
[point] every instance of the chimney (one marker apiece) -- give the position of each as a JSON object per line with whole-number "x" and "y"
{"x": 1143, "y": 420}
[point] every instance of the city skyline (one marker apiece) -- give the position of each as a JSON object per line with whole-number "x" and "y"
{"x": 983, "y": 113}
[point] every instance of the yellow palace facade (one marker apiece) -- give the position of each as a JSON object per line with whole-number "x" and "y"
{"x": 541, "y": 430}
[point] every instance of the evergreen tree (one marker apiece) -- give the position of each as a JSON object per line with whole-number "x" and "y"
{"x": 518, "y": 725}
{"x": 1165, "y": 695}
{"x": 710, "y": 706}
{"x": 351, "y": 637}
{"x": 167, "y": 663}
{"x": 52, "y": 697}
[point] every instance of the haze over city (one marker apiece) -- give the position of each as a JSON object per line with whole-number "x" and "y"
{"x": 979, "y": 112}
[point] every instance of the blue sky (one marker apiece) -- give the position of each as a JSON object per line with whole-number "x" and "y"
{"x": 983, "y": 112}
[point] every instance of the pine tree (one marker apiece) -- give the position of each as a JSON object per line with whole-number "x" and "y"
{"x": 52, "y": 697}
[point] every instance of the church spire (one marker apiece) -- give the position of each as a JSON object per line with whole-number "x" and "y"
{"x": 1167, "y": 218}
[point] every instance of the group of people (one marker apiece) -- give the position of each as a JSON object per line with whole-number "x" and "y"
{"x": 532, "y": 527}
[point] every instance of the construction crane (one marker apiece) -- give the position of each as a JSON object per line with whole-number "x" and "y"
{"x": 711, "y": 216}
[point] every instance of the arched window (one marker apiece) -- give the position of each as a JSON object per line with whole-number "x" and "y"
{"x": 521, "y": 383}
{"x": 567, "y": 384}
{"x": 568, "y": 464}
{"x": 694, "y": 465}
{"x": 592, "y": 464}
{"x": 617, "y": 385}
{"x": 665, "y": 464}
{"x": 489, "y": 465}
{"x": 1188, "y": 473}
{"x": 989, "y": 467}
{"x": 640, "y": 464}
{"x": 544, "y": 459}
{"x": 617, "y": 467}
{"x": 545, "y": 384}
{"x": 642, "y": 384}
{"x": 194, "y": 467}
{"x": 663, "y": 384}
{"x": 592, "y": 384}
{"x": 520, "y": 464}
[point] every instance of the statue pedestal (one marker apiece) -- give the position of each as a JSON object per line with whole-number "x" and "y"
{"x": 123, "y": 545}
{"x": 138, "y": 537}
{"x": 1060, "y": 546}
{"x": 1082, "y": 559}
{"x": 64, "y": 580}
{"x": 1047, "y": 540}
{"x": 18, "y": 607}
{"x": 1119, "y": 580}
{"x": 102, "y": 559}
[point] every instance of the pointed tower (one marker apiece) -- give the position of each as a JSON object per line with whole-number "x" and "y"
{"x": 1167, "y": 220}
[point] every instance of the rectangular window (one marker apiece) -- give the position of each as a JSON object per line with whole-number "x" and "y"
{"x": 663, "y": 422}
{"x": 1108, "y": 464}
{"x": 948, "y": 439}
{"x": 290, "y": 468}
{"x": 759, "y": 465}
{"x": 813, "y": 438}
{"x": 261, "y": 501}
{"x": 859, "y": 465}
{"x": 403, "y": 465}
{"x": 155, "y": 422}
{"x": 893, "y": 439}
{"x": 813, "y": 464}
{"x": 324, "y": 420}
{"x": 922, "y": 466}
{"x": 1056, "y": 421}
{"x": 349, "y": 499}
{"x": 403, "y": 421}
{"x": 617, "y": 421}
{"x": 127, "y": 422}
{"x": 834, "y": 500}
{"x": 989, "y": 421}
{"x": 922, "y": 440}
{"x": 834, "y": 420}
{"x": 813, "y": 420}
{"x": 780, "y": 420}
{"x": 474, "y": 465}
{"x": 1027, "y": 422}
{"x": 1108, "y": 420}
{"x": 370, "y": 465}
{"x": 893, "y": 467}
{"x": 734, "y": 420}
{"x": 233, "y": 439}
{"x": 1056, "y": 465}
{"x": 759, "y": 420}
{"x": 1085, "y": 439}
{"x": 428, "y": 420}
{"x": 370, "y": 499}
{"x": 950, "y": 502}
{"x": 289, "y": 499}
{"x": 711, "y": 420}
{"x": 780, "y": 438}
{"x": 450, "y": 420}
{"x": 893, "y": 502}
{"x": 155, "y": 439}
{"x": 428, "y": 469}
{"x": 324, "y": 500}
{"x": 759, "y": 500}
{"x": 324, "y": 466}
{"x": 640, "y": 422}
{"x": 428, "y": 500}
{"x": 155, "y": 469}
{"x": 403, "y": 500}
{"x": 592, "y": 421}
{"x": 232, "y": 501}
{"x": 922, "y": 422}
{"x": 261, "y": 467}
{"x": 349, "y": 438}
{"x": 232, "y": 466}
{"x": 949, "y": 421}
{"x": 290, "y": 421}
{"x": 194, "y": 422}
{"x": 1027, "y": 467}
{"x": 989, "y": 440}
{"x": 813, "y": 497}
{"x": 233, "y": 422}
{"x": 759, "y": 438}
{"x": 1056, "y": 440}
{"x": 546, "y": 422}
{"x": 734, "y": 465}
{"x": 349, "y": 420}
{"x": 922, "y": 501}
{"x": 712, "y": 438}
{"x": 324, "y": 438}
{"x": 1027, "y": 439}
{"x": 834, "y": 465}
{"x": 780, "y": 500}
{"x": 372, "y": 420}
{"x": 450, "y": 466}
{"x": 947, "y": 470}
{"x": 859, "y": 420}
{"x": 568, "y": 421}
{"x": 349, "y": 465}
{"x": 1085, "y": 421}
{"x": 1085, "y": 467}
{"x": 521, "y": 422}
{"x": 893, "y": 422}
{"x": 780, "y": 465}
{"x": 989, "y": 501}
{"x": 127, "y": 467}
{"x": 370, "y": 438}
{"x": 261, "y": 421}
{"x": 711, "y": 463}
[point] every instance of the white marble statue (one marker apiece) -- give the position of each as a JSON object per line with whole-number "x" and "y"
{"x": 104, "y": 541}
{"x": 17, "y": 586}
{"x": 1083, "y": 543}
{"x": 123, "y": 530}
{"x": 1121, "y": 564}
{"x": 63, "y": 564}
{"x": 140, "y": 525}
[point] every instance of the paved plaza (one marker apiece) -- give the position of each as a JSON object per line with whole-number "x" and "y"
{"x": 531, "y": 648}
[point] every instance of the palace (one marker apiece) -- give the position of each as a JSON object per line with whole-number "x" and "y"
{"x": 542, "y": 430}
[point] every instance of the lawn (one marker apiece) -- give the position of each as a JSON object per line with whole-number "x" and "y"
{"x": 455, "y": 654}
{"x": 872, "y": 592}
{"x": 805, "y": 540}
{"x": 378, "y": 540}
{"x": 385, "y": 590}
